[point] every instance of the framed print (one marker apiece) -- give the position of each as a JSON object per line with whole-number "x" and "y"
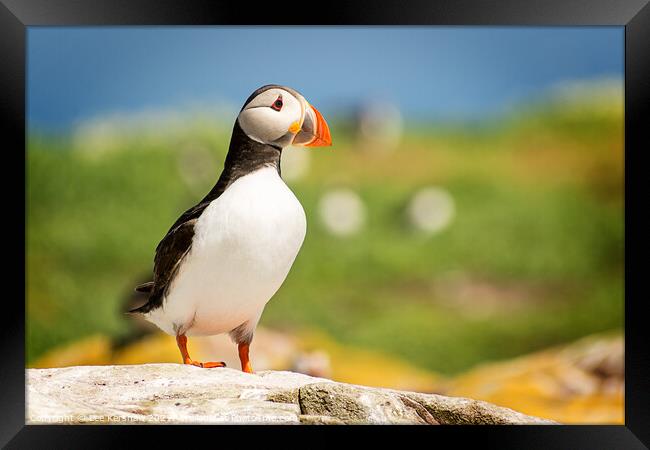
{"x": 436, "y": 197}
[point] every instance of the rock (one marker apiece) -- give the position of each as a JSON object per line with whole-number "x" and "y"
{"x": 360, "y": 405}
{"x": 175, "y": 393}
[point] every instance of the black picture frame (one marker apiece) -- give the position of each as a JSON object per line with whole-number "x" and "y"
{"x": 634, "y": 15}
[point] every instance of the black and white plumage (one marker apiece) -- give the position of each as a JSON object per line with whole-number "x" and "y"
{"x": 225, "y": 257}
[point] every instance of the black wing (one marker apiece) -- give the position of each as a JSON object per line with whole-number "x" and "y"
{"x": 170, "y": 253}
{"x": 176, "y": 244}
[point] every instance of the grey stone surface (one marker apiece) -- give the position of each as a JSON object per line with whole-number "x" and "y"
{"x": 175, "y": 393}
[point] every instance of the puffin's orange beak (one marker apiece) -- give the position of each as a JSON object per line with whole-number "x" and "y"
{"x": 322, "y": 137}
{"x": 314, "y": 131}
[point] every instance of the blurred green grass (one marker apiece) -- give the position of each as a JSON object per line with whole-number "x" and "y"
{"x": 537, "y": 236}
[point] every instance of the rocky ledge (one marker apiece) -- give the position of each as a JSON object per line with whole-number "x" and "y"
{"x": 174, "y": 393}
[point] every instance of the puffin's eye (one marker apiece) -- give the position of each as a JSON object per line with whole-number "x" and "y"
{"x": 277, "y": 105}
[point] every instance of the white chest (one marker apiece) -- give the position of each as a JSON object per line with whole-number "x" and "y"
{"x": 244, "y": 245}
{"x": 256, "y": 218}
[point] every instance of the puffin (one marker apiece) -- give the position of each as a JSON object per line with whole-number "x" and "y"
{"x": 225, "y": 257}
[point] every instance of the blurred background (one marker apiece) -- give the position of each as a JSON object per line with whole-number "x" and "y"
{"x": 465, "y": 231}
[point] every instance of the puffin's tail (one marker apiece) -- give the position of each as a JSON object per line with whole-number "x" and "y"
{"x": 145, "y": 288}
{"x": 139, "y": 310}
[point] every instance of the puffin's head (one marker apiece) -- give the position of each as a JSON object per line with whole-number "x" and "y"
{"x": 279, "y": 116}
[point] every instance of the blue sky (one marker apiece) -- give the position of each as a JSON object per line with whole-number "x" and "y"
{"x": 430, "y": 72}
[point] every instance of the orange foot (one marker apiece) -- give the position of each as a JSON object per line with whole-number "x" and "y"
{"x": 206, "y": 365}
{"x": 181, "y": 340}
